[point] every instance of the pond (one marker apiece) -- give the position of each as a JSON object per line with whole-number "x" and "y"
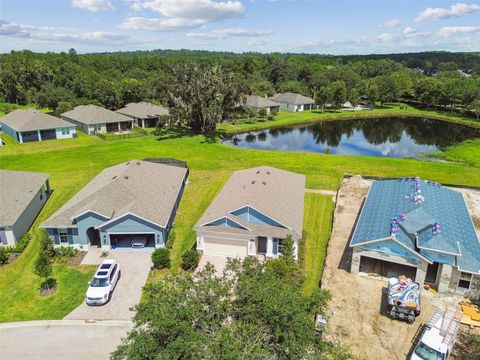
{"x": 381, "y": 137}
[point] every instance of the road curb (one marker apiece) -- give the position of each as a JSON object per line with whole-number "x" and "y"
{"x": 20, "y": 324}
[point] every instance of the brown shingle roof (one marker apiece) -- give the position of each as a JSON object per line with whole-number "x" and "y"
{"x": 259, "y": 102}
{"x": 278, "y": 194}
{"x": 17, "y": 189}
{"x": 146, "y": 189}
{"x": 291, "y": 98}
{"x": 92, "y": 114}
{"x": 143, "y": 110}
{"x": 30, "y": 120}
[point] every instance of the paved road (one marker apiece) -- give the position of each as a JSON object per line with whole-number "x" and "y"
{"x": 61, "y": 339}
{"x": 134, "y": 272}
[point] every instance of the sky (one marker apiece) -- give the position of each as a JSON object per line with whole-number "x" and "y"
{"x": 317, "y": 26}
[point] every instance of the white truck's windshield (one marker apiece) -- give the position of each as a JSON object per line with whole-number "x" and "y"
{"x": 427, "y": 353}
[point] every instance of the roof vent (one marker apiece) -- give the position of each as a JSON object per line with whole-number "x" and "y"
{"x": 253, "y": 182}
{"x": 128, "y": 163}
{"x": 138, "y": 162}
{"x": 113, "y": 178}
{"x": 268, "y": 172}
{"x": 264, "y": 182}
{"x": 258, "y": 171}
{"x": 125, "y": 177}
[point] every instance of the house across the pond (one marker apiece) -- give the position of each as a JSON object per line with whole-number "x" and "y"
{"x": 145, "y": 114}
{"x": 293, "y": 102}
{"x": 134, "y": 202}
{"x": 32, "y": 125}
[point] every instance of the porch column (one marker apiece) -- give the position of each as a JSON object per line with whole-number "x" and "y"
{"x": 446, "y": 274}
{"x": 200, "y": 243}
{"x": 119, "y": 128}
{"x": 252, "y": 248}
{"x": 421, "y": 272}
{"x": 269, "y": 246}
{"x": 355, "y": 266}
{"x": 39, "y": 135}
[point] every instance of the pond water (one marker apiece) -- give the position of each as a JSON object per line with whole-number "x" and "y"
{"x": 385, "y": 137}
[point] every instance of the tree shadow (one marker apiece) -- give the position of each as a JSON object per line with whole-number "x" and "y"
{"x": 174, "y": 132}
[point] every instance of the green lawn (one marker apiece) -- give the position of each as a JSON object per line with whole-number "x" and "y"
{"x": 73, "y": 162}
{"x": 317, "y": 226}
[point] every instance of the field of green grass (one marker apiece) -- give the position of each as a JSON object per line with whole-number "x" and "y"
{"x": 73, "y": 162}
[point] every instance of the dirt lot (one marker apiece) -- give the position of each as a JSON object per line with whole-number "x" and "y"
{"x": 356, "y": 315}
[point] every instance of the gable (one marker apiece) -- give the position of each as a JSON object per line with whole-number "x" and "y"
{"x": 129, "y": 223}
{"x": 89, "y": 214}
{"x": 391, "y": 247}
{"x": 253, "y": 216}
{"x": 225, "y": 221}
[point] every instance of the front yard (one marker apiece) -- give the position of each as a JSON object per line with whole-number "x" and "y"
{"x": 73, "y": 162}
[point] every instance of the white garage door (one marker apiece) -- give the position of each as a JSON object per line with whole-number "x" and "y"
{"x": 225, "y": 247}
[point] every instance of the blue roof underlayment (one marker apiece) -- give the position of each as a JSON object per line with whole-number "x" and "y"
{"x": 394, "y": 199}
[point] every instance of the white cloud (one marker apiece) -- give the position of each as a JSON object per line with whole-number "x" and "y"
{"x": 456, "y": 30}
{"x": 69, "y": 36}
{"x": 392, "y": 23}
{"x": 93, "y": 5}
{"x": 182, "y": 14}
{"x": 257, "y": 42}
{"x": 456, "y": 10}
{"x": 409, "y": 30}
{"x": 224, "y": 33}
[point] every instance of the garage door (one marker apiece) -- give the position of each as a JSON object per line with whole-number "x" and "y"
{"x": 225, "y": 247}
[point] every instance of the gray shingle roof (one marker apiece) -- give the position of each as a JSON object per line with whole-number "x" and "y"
{"x": 143, "y": 110}
{"x": 92, "y": 114}
{"x": 291, "y": 98}
{"x": 259, "y": 102}
{"x": 30, "y": 120}
{"x": 276, "y": 193}
{"x": 388, "y": 199}
{"x": 146, "y": 189}
{"x": 17, "y": 189}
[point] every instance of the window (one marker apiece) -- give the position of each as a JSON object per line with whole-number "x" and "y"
{"x": 465, "y": 279}
{"x": 65, "y": 131}
{"x": 63, "y": 233}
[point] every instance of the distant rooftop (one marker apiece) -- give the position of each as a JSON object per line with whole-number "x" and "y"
{"x": 291, "y": 98}
{"x": 31, "y": 120}
{"x": 143, "y": 110}
{"x": 92, "y": 114}
{"x": 17, "y": 189}
{"x": 420, "y": 207}
{"x": 259, "y": 102}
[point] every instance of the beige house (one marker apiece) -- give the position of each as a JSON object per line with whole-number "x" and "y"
{"x": 293, "y": 102}
{"x": 257, "y": 103}
{"x": 92, "y": 119}
{"x": 256, "y": 209}
{"x": 144, "y": 113}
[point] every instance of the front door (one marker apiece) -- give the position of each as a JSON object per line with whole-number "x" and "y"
{"x": 262, "y": 245}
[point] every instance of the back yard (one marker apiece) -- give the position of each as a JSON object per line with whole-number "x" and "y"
{"x": 72, "y": 163}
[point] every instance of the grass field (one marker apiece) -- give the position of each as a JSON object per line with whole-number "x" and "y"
{"x": 73, "y": 162}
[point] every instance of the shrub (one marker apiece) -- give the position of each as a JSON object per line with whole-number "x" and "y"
{"x": 190, "y": 259}
{"x": 270, "y": 117}
{"x": 274, "y": 112}
{"x": 161, "y": 258}
{"x": 66, "y": 251}
{"x": 171, "y": 239}
{"x": 262, "y": 113}
{"x": 46, "y": 246}
{"x": 3, "y": 256}
{"x": 22, "y": 244}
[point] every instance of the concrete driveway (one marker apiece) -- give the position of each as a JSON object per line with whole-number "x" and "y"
{"x": 134, "y": 266}
{"x": 218, "y": 261}
{"x": 62, "y": 339}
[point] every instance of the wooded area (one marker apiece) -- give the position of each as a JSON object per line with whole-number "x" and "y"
{"x": 64, "y": 80}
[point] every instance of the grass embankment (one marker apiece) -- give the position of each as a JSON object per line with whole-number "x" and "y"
{"x": 286, "y": 118}
{"x": 73, "y": 162}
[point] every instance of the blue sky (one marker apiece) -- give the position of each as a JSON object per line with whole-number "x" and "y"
{"x": 316, "y": 26}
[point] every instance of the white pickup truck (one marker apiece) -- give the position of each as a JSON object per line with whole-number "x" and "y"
{"x": 438, "y": 337}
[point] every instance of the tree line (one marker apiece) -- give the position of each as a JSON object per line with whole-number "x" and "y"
{"x": 210, "y": 85}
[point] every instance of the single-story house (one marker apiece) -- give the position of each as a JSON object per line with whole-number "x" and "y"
{"x": 293, "y": 102}
{"x": 420, "y": 229}
{"x": 92, "y": 119}
{"x": 22, "y": 196}
{"x": 136, "y": 200}
{"x": 144, "y": 114}
{"x": 256, "y": 209}
{"x": 33, "y": 125}
{"x": 257, "y": 102}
